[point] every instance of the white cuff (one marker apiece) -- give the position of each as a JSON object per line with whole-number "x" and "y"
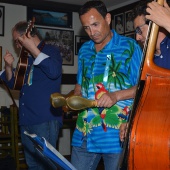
{"x": 40, "y": 58}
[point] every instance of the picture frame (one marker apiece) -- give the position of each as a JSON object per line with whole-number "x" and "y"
{"x": 63, "y": 39}
{"x": 0, "y": 58}
{"x": 2, "y": 16}
{"x": 119, "y": 23}
{"x": 79, "y": 41}
{"x": 128, "y": 21}
{"x": 123, "y": 13}
{"x": 50, "y": 18}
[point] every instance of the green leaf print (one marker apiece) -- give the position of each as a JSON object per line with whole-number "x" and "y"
{"x": 80, "y": 120}
{"x": 96, "y": 121}
{"x": 111, "y": 119}
{"x": 129, "y": 52}
{"x": 85, "y": 80}
{"x": 115, "y": 76}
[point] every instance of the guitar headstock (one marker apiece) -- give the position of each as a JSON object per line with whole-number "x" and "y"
{"x": 30, "y": 26}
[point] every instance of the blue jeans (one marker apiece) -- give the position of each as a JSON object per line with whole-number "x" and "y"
{"x": 48, "y": 130}
{"x": 81, "y": 159}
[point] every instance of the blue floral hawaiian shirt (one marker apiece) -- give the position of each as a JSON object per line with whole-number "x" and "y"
{"x": 100, "y": 126}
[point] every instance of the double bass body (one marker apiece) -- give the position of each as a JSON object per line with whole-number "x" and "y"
{"x": 149, "y": 143}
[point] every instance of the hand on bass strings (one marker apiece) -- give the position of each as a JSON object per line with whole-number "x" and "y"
{"x": 159, "y": 14}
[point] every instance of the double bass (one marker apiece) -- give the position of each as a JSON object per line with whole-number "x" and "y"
{"x": 147, "y": 144}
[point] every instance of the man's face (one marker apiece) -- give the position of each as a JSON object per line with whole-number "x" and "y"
{"x": 15, "y": 36}
{"x": 141, "y": 29}
{"x": 96, "y": 26}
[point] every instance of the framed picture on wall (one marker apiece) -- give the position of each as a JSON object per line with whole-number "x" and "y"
{"x": 119, "y": 23}
{"x": 0, "y": 58}
{"x": 50, "y": 18}
{"x": 63, "y": 39}
{"x": 79, "y": 41}
{"x": 2, "y": 14}
{"x": 128, "y": 21}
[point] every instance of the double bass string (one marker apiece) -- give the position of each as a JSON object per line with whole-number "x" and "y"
{"x": 140, "y": 85}
{"x": 142, "y": 62}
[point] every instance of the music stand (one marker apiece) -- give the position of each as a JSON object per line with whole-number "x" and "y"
{"x": 54, "y": 158}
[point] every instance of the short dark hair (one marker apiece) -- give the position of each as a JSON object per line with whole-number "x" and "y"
{"x": 22, "y": 26}
{"x": 140, "y": 9}
{"x": 98, "y": 5}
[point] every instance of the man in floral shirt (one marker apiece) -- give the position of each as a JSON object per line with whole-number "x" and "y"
{"x": 108, "y": 70}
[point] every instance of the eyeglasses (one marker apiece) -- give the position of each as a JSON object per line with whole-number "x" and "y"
{"x": 16, "y": 42}
{"x": 138, "y": 29}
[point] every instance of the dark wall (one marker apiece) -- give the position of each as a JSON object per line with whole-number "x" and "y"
{"x": 48, "y": 5}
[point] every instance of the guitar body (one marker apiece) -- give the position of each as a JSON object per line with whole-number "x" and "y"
{"x": 22, "y": 62}
{"x": 21, "y": 70}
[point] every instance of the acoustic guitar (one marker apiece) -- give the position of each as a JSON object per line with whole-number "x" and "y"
{"x": 22, "y": 62}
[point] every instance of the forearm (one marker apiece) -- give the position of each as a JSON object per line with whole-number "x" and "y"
{"x": 167, "y": 24}
{"x": 124, "y": 94}
{"x": 35, "y": 52}
{"x": 8, "y": 71}
{"x": 109, "y": 99}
